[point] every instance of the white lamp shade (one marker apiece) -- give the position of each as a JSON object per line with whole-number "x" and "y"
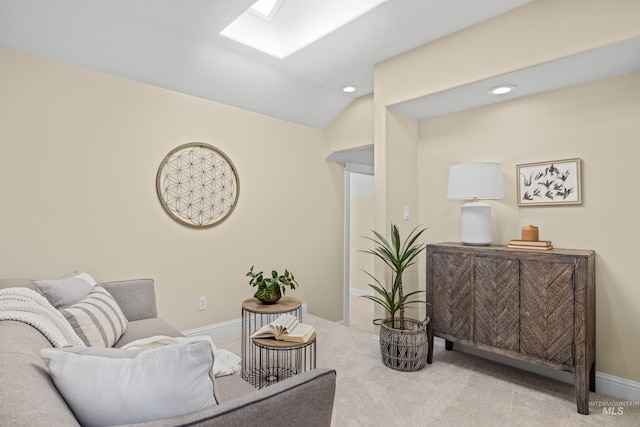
{"x": 475, "y": 180}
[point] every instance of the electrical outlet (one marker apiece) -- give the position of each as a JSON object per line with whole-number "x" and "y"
{"x": 202, "y": 303}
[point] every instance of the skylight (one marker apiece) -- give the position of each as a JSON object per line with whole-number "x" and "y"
{"x": 265, "y": 9}
{"x": 283, "y": 27}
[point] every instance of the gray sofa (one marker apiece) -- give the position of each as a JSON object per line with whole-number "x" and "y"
{"x": 29, "y": 397}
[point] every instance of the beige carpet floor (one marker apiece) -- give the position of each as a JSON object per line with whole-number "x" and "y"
{"x": 458, "y": 389}
{"x": 361, "y": 314}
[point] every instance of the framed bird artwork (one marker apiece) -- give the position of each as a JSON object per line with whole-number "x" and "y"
{"x": 555, "y": 182}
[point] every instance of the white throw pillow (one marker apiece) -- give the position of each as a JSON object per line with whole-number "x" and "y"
{"x": 86, "y": 276}
{"x": 97, "y": 318}
{"x": 110, "y": 386}
{"x": 67, "y": 291}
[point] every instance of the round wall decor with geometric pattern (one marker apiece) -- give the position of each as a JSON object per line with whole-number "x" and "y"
{"x": 197, "y": 185}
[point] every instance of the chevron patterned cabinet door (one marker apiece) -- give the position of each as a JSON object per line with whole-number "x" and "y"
{"x": 452, "y": 275}
{"x": 547, "y": 311}
{"x": 496, "y": 312}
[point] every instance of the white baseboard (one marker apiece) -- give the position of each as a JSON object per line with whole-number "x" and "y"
{"x": 620, "y": 388}
{"x": 359, "y": 292}
{"x": 219, "y": 330}
{"x": 356, "y": 293}
{"x": 224, "y": 329}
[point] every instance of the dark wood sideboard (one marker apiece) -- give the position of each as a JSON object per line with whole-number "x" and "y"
{"x": 531, "y": 305}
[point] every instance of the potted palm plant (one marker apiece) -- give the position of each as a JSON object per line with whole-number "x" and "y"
{"x": 271, "y": 288}
{"x": 403, "y": 341}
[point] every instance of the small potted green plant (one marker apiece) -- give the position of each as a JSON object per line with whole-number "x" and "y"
{"x": 271, "y": 288}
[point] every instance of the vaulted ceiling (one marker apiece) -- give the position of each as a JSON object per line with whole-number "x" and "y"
{"x": 177, "y": 45}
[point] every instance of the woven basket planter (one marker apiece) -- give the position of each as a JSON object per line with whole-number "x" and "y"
{"x": 403, "y": 348}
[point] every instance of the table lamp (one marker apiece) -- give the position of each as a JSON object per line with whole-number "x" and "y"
{"x": 475, "y": 181}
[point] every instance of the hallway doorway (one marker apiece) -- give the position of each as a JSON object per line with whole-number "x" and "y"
{"x": 359, "y": 208}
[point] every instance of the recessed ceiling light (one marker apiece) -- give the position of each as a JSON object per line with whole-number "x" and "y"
{"x": 502, "y": 90}
{"x": 348, "y": 89}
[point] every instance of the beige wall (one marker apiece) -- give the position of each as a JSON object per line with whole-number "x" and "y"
{"x": 596, "y": 122}
{"x": 361, "y": 224}
{"x": 352, "y": 129}
{"x": 396, "y": 168}
{"x": 80, "y": 150}
{"x": 79, "y": 153}
{"x": 541, "y": 31}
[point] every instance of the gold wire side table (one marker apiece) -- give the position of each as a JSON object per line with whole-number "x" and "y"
{"x": 255, "y": 315}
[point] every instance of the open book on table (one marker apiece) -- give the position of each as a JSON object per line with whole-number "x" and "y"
{"x": 285, "y": 328}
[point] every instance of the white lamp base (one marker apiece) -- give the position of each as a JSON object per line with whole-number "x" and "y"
{"x": 475, "y": 224}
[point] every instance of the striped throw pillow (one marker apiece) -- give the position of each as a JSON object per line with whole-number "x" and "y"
{"x": 97, "y": 318}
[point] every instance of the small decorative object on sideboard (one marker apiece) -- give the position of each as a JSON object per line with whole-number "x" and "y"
{"x": 529, "y": 240}
{"x": 271, "y": 289}
{"x": 540, "y": 245}
{"x": 530, "y": 233}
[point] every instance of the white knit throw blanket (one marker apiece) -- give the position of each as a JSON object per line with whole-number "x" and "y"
{"x": 28, "y": 306}
{"x": 224, "y": 361}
